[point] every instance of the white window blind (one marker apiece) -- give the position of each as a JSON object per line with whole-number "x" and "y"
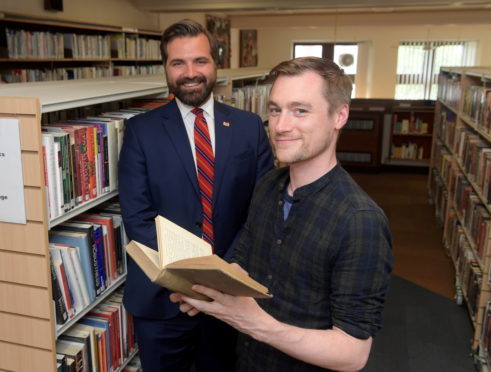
{"x": 419, "y": 62}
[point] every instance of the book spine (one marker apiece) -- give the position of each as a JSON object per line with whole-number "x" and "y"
{"x": 60, "y": 307}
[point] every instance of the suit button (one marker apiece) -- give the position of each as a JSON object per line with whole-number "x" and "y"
{"x": 199, "y": 224}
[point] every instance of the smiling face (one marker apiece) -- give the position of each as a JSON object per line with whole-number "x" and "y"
{"x": 190, "y": 69}
{"x": 301, "y": 129}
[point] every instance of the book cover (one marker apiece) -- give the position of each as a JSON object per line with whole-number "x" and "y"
{"x": 81, "y": 241}
{"x": 183, "y": 259}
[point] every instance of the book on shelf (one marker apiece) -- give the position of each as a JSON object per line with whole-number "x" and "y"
{"x": 82, "y": 337}
{"x": 76, "y": 289}
{"x": 73, "y": 350}
{"x": 75, "y": 236}
{"x": 183, "y": 259}
{"x": 61, "y": 312}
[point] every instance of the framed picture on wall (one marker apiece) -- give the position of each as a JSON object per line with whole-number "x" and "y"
{"x": 220, "y": 29}
{"x": 248, "y": 48}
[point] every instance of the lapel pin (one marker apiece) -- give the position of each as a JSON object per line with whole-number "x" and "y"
{"x": 226, "y": 124}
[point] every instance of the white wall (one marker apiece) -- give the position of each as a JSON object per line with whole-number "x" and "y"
{"x": 111, "y": 12}
{"x": 379, "y": 35}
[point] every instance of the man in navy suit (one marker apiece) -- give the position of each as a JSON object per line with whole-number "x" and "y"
{"x": 158, "y": 176}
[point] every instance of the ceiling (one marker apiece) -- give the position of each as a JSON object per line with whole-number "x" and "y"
{"x": 287, "y": 6}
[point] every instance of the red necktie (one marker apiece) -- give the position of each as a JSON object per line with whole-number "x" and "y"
{"x": 205, "y": 161}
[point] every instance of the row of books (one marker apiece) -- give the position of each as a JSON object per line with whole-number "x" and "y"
{"x": 467, "y": 268}
{"x": 477, "y": 106}
{"x": 444, "y": 126}
{"x": 439, "y": 195}
{"x": 472, "y": 214}
{"x": 72, "y": 73}
{"x": 474, "y": 155}
{"x": 87, "y": 256}
{"x": 410, "y": 150}
{"x": 409, "y": 126}
{"x": 80, "y": 159}
{"x": 485, "y": 344}
{"x": 101, "y": 341}
{"x": 138, "y": 48}
{"x": 449, "y": 90}
{"x": 22, "y": 44}
{"x": 253, "y": 98}
{"x": 359, "y": 124}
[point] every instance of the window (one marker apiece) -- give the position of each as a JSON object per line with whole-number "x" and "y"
{"x": 344, "y": 54}
{"x": 419, "y": 62}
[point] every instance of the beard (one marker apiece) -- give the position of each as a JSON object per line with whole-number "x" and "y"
{"x": 195, "y": 97}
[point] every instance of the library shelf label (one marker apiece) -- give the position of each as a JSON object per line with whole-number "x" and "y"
{"x": 12, "y": 206}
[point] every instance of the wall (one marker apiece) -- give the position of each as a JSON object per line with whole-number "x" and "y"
{"x": 112, "y": 12}
{"x": 378, "y": 34}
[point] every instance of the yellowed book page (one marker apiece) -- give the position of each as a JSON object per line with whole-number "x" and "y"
{"x": 176, "y": 243}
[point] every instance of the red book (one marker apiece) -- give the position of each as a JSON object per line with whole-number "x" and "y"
{"x": 110, "y": 244}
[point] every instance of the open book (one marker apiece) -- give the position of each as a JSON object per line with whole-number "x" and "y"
{"x": 183, "y": 259}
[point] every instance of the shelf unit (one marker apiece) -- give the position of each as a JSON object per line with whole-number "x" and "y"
{"x": 408, "y": 135}
{"x": 34, "y": 48}
{"x": 245, "y": 88}
{"x": 28, "y": 329}
{"x": 459, "y": 185}
{"x": 368, "y": 137}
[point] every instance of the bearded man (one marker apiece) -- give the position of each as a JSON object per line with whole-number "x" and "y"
{"x": 195, "y": 162}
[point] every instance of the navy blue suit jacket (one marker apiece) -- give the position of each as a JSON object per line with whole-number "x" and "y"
{"x": 157, "y": 176}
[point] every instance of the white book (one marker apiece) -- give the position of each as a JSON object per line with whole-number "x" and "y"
{"x": 79, "y": 302}
{"x": 59, "y": 178}
{"x": 73, "y": 251}
{"x": 50, "y": 165}
{"x": 57, "y": 262}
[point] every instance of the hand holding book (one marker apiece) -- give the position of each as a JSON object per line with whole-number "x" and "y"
{"x": 184, "y": 259}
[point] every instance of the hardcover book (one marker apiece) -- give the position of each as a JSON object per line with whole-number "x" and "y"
{"x": 183, "y": 259}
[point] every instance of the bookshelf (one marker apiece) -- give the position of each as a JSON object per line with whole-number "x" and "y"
{"x": 28, "y": 330}
{"x": 411, "y": 133}
{"x": 373, "y": 135}
{"x": 360, "y": 140}
{"x": 459, "y": 187}
{"x": 34, "y": 48}
{"x": 246, "y": 89}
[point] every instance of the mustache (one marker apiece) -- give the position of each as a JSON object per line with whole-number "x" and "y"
{"x": 197, "y": 79}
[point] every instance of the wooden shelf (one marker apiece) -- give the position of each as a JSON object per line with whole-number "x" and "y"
{"x": 454, "y": 82}
{"x": 66, "y": 94}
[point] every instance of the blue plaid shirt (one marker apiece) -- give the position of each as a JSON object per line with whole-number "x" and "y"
{"x": 328, "y": 264}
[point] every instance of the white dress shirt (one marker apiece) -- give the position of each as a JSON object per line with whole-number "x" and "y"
{"x": 188, "y": 118}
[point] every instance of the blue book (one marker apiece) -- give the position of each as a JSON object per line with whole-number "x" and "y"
{"x": 101, "y": 256}
{"x": 88, "y": 228}
{"x": 82, "y": 242}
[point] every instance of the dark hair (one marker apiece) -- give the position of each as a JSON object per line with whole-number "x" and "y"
{"x": 338, "y": 86}
{"x": 186, "y": 28}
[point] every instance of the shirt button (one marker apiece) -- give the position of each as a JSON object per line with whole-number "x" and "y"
{"x": 279, "y": 241}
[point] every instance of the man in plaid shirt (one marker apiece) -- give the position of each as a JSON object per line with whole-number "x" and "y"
{"x": 313, "y": 237}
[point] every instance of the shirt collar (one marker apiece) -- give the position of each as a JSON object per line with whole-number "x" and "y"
{"x": 311, "y": 188}
{"x": 207, "y": 107}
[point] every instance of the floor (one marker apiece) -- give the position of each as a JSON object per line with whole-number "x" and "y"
{"x": 424, "y": 329}
{"x": 417, "y": 239}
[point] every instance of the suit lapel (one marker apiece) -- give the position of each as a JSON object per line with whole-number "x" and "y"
{"x": 174, "y": 126}
{"x": 223, "y": 139}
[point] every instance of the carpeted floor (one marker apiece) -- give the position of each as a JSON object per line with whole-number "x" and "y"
{"x": 424, "y": 328}
{"x": 422, "y": 332}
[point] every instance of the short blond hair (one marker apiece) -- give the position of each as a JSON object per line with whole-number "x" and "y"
{"x": 338, "y": 86}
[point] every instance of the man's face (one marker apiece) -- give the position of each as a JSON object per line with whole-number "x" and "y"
{"x": 190, "y": 69}
{"x": 300, "y": 126}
